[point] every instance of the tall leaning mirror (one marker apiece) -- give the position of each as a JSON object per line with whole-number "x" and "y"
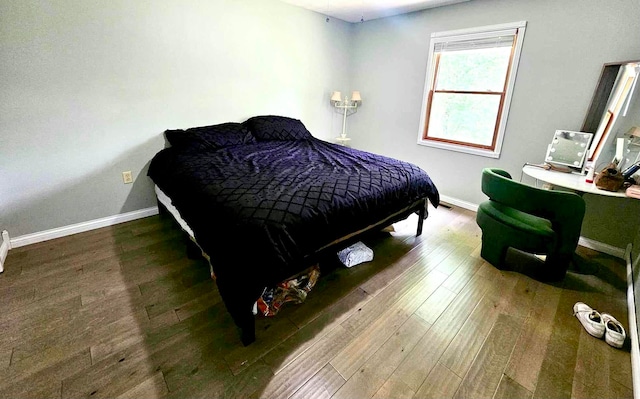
{"x": 611, "y": 100}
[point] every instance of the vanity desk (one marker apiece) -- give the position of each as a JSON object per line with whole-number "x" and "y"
{"x": 572, "y": 181}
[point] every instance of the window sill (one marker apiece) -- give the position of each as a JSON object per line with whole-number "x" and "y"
{"x": 460, "y": 148}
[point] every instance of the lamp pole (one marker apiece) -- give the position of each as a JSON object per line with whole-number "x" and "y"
{"x": 348, "y": 107}
{"x": 344, "y": 117}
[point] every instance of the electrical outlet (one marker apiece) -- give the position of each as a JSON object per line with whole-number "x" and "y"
{"x": 127, "y": 177}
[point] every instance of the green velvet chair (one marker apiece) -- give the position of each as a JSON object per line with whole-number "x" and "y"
{"x": 529, "y": 219}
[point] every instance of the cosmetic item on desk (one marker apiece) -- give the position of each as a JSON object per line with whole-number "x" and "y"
{"x": 590, "y": 174}
{"x": 633, "y": 191}
{"x": 609, "y": 179}
{"x": 627, "y": 173}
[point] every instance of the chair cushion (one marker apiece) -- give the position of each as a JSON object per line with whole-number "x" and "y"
{"x": 521, "y": 221}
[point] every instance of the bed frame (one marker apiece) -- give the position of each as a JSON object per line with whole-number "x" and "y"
{"x": 245, "y": 319}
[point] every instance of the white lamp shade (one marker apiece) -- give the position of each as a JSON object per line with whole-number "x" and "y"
{"x": 355, "y": 96}
{"x": 336, "y": 96}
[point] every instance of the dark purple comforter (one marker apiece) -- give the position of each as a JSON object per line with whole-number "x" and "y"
{"x": 260, "y": 210}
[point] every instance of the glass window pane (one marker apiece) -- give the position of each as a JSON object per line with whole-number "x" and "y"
{"x": 469, "y": 118}
{"x": 473, "y": 70}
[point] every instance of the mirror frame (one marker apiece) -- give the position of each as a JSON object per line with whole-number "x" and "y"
{"x": 576, "y": 160}
{"x": 599, "y": 101}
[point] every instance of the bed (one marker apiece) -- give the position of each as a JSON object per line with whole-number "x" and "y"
{"x": 265, "y": 200}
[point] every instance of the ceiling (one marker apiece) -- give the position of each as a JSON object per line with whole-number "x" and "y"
{"x": 357, "y": 10}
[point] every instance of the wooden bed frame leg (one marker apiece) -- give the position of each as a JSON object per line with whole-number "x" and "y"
{"x": 421, "y": 214}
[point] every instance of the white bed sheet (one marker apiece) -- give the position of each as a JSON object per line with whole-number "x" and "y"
{"x": 166, "y": 201}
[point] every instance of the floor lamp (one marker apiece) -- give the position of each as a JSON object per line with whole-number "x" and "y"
{"x": 346, "y": 107}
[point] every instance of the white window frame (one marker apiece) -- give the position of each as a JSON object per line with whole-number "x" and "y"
{"x": 470, "y": 34}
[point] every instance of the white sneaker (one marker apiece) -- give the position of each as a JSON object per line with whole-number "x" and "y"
{"x": 590, "y": 319}
{"x": 614, "y": 332}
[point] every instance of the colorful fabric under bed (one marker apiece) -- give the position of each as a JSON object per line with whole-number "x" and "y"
{"x": 293, "y": 290}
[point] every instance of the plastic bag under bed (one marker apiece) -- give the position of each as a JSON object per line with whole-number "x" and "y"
{"x": 355, "y": 254}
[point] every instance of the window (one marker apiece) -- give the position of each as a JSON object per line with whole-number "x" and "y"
{"x": 470, "y": 77}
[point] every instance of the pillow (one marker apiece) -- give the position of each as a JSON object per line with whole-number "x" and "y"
{"x": 270, "y": 127}
{"x": 211, "y": 137}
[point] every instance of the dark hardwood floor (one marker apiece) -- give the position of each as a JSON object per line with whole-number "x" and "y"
{"x": 122, "y": 312}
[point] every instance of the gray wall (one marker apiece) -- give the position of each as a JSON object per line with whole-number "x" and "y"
{"x": 89, "y": 86}
{"x": 565, "y": 46}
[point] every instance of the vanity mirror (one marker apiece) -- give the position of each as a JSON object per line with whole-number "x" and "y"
{"x": 611, "y": 99}
{"x": 568, "y": 149}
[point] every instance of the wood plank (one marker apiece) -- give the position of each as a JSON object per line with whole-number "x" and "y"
{"x": 5, "y": 358}
{"x": 619, "y": 391}
{"x": 153, "y": 387}
{"x": 379, "y": 367}
{"x": 394, "y": 388}
{"x": 197, "y": 304}
{"x": 158, "y": 305}
{"x": 164, "y": 319}
{"x": 298, "y": 372}
{"x": 433, "y": 307}
{"x": 18, "y": 327}
{"x": 247, "y": 384}
{"x": 417, "y": 366}
{"x": 461, "y": 276}
{"x": 193, "y": 360}
{"x": 530, "y": 350}
{"x": 619, "y": 361}
{"x": 349, "y": 360}
{"x": 405, "y": 268}
{"x": 463, "y": 348}
{"x": 486, "y": 371}
{"x": 322, "y": 385}
{"x": 310, "y": 334}
{"x": 175, "y": 281}
{"x": 452, "y": 262}
{"x": 396, "y": 290}
{"x": 80, "y": 327}
{"x": 130, "y": 366}
{"x": 440, "y": 383}
{"x": 16, "y": 297}
{"x": 269, "y": 333}
{"x": 556, "y": 374}
{"x": 117, "y": 336}
{"x": 508, "y": 388}
{"x": 42, "y": 382}
{"x": 591, "y": 375}
{"x": 520, "y": 302}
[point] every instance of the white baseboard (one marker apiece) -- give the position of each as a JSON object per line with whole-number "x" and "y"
{"x": 633, "y": 326}
{"x": 458, "y": 202}
{"x": 602, "y": 247}
{"x": 5, "y": 246}
{"x": 82, "y": 227}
